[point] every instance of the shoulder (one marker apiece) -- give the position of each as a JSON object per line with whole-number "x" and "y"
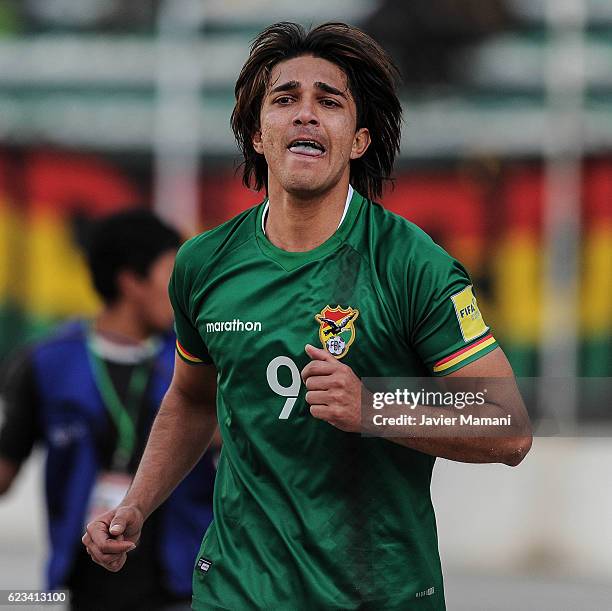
{"x": 397, "y": 240}
{"x": 205, "y": 252}
{"x": 214, "y": 242}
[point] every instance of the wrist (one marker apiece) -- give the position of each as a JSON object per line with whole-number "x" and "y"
{"x": 133, "y": 503}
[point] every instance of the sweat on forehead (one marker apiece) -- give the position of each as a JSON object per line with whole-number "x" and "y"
{"x": 330, "y": 77}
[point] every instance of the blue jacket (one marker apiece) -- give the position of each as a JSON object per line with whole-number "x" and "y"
{"x": 72, "y": 415}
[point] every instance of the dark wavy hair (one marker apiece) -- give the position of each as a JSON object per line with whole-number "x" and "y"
{"x": 129, "y": 240}
{"x": 372, "y": 80}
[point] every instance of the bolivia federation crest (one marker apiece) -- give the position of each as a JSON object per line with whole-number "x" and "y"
{"x": 337, "y": 329}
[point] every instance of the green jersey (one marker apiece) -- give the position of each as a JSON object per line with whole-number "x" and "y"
{"x": 307, "y": 516}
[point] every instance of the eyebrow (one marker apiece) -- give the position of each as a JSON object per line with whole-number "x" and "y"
{"x": 329, "y": 89}
{"x": 291, "y": 85}
{"x": 288, "y": 86}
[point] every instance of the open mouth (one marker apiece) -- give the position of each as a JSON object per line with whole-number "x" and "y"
{"x": 311, "y": 148}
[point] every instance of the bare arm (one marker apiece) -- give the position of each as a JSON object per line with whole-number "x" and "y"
{"x": 335, "y": 392}
{"x": 181, "y": 433}
{"x": 503, "y": 399}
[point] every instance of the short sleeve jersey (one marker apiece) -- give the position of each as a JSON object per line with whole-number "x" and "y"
{"x": 308, "y": 516}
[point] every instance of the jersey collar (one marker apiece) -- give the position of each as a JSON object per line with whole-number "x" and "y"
{"x": 264, "y": 215}
{"x": 292, "y": 260}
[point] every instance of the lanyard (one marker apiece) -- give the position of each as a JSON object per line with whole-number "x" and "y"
{"x": 121, "y": 413}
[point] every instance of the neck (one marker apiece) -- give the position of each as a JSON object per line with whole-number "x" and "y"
{"x": 298, "y": 223}
{"x": 120, "y": 322}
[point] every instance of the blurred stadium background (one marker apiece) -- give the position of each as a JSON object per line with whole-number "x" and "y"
{"x": 506, "y": 161}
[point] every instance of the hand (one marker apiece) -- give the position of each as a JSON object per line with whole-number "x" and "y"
{"x": 112, "y": 535}
{"x": 334, "y": 391}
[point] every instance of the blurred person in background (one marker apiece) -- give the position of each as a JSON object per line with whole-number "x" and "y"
{"x": 309, "y": 514}
{"x": 89, "y": 393}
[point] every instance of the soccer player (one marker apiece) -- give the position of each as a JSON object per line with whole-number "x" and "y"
{"x": 287, "y": 307}
{"x": 89, "y": 394}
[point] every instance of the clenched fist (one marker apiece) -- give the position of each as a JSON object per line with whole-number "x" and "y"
{"x": 112, "y": 535}
{"x": 334, "y": 391}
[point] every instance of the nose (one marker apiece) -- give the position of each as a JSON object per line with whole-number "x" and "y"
{"x": 305, "y": 114}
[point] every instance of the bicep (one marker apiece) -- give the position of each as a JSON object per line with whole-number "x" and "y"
{"x": 447, "y": 329}
{"x": 491, "y": 365}
{"x": 493, "y": 375}
{"x": 197, "y": 383}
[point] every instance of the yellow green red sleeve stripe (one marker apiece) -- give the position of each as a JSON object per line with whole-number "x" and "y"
{"x": 185, "y": 355}
{"x": 465, "y": 355}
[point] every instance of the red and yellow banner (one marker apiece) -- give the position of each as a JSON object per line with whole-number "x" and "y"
{"x": 490, "y": 222}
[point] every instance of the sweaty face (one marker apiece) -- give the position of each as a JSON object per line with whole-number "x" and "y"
{"x": 308, "y": 125}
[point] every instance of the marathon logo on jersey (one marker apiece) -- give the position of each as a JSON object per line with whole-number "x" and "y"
{"x": 337, "y": 329}
{"x": 204, "y": 564}
{"x": 470, "y": 320}
{"x": 232, "y": 325}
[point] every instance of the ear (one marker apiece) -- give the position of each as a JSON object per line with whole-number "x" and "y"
{"x": 361, "y": 142}
{"x": 257, "y": 143}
